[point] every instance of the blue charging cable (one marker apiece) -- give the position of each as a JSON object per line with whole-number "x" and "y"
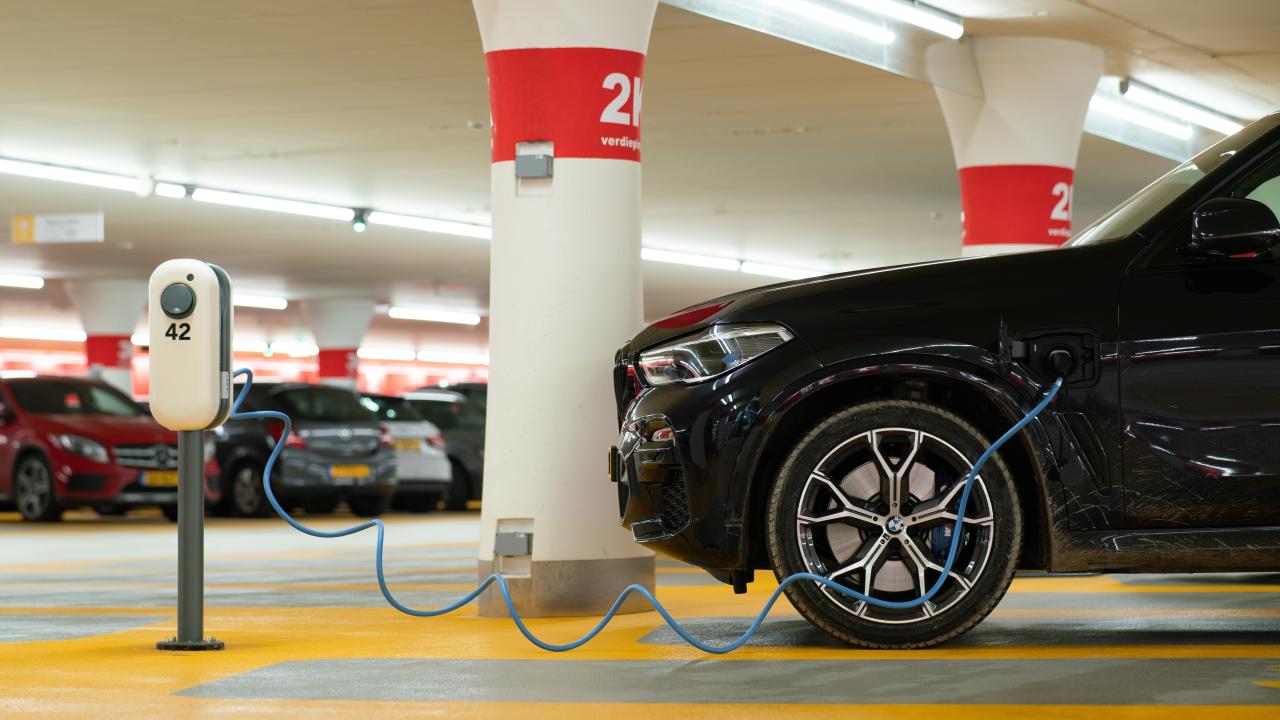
{"x": 501, "y": 582}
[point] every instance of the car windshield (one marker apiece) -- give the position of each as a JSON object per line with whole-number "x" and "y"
{"x": 1133, "y": 213}
{"x": 391, "y": 409}
{"x": 448, "y": 414}
{"x": 322, "y": 404}
{"x": 67, "y": 397}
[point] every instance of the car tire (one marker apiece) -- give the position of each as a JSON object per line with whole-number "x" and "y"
{"x": 248, "y": 499}
{"x": 847, "y": 465}
{"x": 321, "y": 505}
{"x": 368, "y": 506}
{"x": 34, "y": 492}
{"x": 459, "y": 488}
{"x": 170, "y": 512}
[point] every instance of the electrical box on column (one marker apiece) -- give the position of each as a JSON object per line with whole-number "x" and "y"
{"x": 189, "y": 319}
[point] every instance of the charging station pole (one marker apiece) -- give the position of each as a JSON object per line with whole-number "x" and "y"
{"x": 190, "y": 547}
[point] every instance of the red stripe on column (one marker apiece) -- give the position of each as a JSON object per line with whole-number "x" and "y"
{"x": 114, "y": 351}
{"x": 585, "y": 100}
{"x": 1016, "y": 204}
{"x": 338, "y": 363}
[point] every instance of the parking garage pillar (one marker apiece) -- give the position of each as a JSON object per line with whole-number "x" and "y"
{"x": 109, "y": 311}
{"x": 565, "y": 91}
{"x": 339, "y": 325}
{"x": 1015, "y": 146}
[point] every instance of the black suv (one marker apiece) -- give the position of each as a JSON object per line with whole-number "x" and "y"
{"x": 825, "y": 425}
{"x": 338, "y": 450}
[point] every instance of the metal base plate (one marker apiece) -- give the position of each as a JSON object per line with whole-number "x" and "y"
{"x": 176, "y": 644}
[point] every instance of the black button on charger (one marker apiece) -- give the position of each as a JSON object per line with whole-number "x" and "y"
{"x": 178, "y": 300}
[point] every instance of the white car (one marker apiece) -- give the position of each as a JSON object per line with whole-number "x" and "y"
{"x": 422, "y": 464}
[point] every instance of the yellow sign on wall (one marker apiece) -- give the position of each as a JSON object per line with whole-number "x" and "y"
{"x": 64, "y": 228}
{"x": 24, "y": 229}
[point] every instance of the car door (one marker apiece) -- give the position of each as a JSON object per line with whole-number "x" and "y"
{"x": 1200, "y": 377}
{"x": 8, "y": 441}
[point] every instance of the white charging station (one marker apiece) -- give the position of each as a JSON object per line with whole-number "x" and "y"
{"x": 189, "y": 315}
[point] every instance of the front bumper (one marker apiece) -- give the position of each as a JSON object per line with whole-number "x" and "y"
{"x": 80, "y": 481}
{"x": 309, "y": 473}
{"x": 685, "y": 496}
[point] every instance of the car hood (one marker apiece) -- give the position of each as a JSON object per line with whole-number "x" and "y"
{"x": 111, "y": 429}
{"x": 959, "y": 284}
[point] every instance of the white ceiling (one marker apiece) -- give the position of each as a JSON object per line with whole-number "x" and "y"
{"x": 754, "y": 147}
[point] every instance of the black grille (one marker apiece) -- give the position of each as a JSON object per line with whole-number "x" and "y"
{"x": 86, "y": 483}
{"x": 157, "y": 456}
{"x": 675, "y": 503}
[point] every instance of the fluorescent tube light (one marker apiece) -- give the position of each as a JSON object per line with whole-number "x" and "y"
{"x": 261, "y": 202}
{"x": 54, "y": 334}
{"x": 680, "y": 258}
{"x": 435, "y": 225}
{"x": 430, "y": 315}
{"x": 70, "y": 175}
{"x": 1129, "y": 113}
{"x": 171, "y": 190}
{"x": 293, "y": 349}
{"x": 778, "y": 271}
{"x": 29, "y": 282}
{"x": 397, "y": 354}
{"x": 17, "y": 374}
{"x": 921, "y": 16}
{"x": 455, "y": 358}
{"x": 259, "y": 301}
{"x": 1148, "y": 96}
{"x": 826, "y": 16}
{"x": 249, "y": 346}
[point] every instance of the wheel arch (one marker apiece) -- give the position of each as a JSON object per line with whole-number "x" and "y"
{"x": 974, "y": 396}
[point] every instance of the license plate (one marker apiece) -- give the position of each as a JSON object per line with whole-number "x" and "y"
{"x": 160, "y": 478}
{"x": 409, "y": 445}
{"x": 349, "y": 471}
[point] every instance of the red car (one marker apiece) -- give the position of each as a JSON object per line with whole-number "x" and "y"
{"x": 69, "y": 442}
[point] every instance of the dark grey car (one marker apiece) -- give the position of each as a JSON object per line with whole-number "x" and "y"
{"x": 462, "y": 423}
{"x": 338, "y": 451}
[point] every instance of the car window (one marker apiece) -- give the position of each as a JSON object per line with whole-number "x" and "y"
{"x": 67, "y": 397}
{"x": 439, "y": 412}
{"x": 1132, "y": 214}
{"x": 391, "y": 409}
{"x": 322, "y": 404}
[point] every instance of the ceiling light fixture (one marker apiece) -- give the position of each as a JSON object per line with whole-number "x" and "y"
{"x": 262, "y": 202}
{"x": 360, "y": 222}
{"x": 435, "y": 225}
{"x": 823, "y": 15}
{"x": 1147, "y": 96}
{"x": 1129, "y": 113}
{"x": 28, "y": 282}
{"x": 429, "y": 315}
{"x": 779, "y": 271}
{"x": 396, "y": 354}
{"x": 264, "y": 302}
{"x": 680, "y": 258}
{"x": 915, "y": 13}
{"x": 61, "y": 173}
{"x": 171, "y": 190}
{"x": 455, "y": 358}
{"x": 292, "y": 349}
{"x": 55, "y": 334}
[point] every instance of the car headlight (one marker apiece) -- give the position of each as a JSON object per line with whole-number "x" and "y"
{"x": 718, "y": 349}
{"x": 83, "y": 447}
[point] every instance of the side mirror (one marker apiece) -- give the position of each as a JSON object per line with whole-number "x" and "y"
{"x": 1233, "y": 226}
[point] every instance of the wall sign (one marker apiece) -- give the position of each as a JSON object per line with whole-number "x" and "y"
{"x": 71, "y": 228}
{"x": 586, "y": 101}
{"x": 1016, "y": 204}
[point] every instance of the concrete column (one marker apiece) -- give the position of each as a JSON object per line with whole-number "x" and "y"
{"x": 565, "y": 83}
{"x": 109, "y": 311}
{"x": 1016, "y": 146}
{"x": 339, "y": 325}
